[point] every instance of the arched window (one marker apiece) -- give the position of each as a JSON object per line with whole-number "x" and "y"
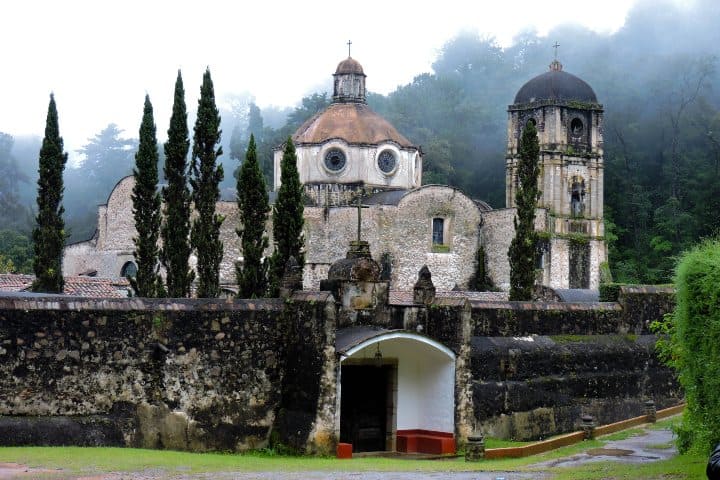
{"x": 129, "y": 269}
{"x": 576, "y": 127}
{"x": 577, "y": 197}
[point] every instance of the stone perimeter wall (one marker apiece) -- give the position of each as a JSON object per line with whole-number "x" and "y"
{"x": 231, "y": 375}
{"x": 537, "y": 367}
{"x": 189, "y": 375}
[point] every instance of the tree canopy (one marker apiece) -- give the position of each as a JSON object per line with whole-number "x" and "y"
{"x": 288, "y": 218}
{"x": 205, "y": 180}
{"x": 175, "y": 229}
{"x": 146, "y": 209}
{"x": 523, "y": 247}
{"x": 49, "y": 234}
{"x": 253, "y": 205}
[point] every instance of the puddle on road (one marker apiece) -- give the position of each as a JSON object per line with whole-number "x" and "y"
{"x": 611, "y": 452}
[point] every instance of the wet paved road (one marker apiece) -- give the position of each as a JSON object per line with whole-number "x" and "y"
{"x": 655, "y": 445}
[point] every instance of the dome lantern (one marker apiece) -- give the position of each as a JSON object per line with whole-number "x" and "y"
{"x": 349, "y": 85}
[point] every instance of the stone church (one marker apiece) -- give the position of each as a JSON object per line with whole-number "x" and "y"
{"x": 369, "y": 346}
{"x": 350, "y": 155}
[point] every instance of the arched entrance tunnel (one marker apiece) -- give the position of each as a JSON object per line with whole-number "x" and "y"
{"x": 396, "y": 391}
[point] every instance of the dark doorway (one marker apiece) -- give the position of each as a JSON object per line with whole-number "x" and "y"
{"x": 364, "y": 406}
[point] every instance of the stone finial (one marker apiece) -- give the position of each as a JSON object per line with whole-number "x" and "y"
{"x": 475, "y": 447}
{"x": 587, "y": 424}
{"x": 650, "y": 411}
{"x": 291, "y": 279}
{"x": 424, "y": 290}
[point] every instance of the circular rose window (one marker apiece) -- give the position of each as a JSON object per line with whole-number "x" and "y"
{"x": 387, "y": 161}
{"x": 335, "y": 160}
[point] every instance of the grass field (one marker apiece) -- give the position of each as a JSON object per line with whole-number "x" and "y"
{"x": 92, "y": 460}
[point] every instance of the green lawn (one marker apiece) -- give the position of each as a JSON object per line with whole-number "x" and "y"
{"x": 91, "y": 460}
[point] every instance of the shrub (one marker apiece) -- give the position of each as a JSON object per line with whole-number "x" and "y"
{"x": 609, "y": 292}
{"x": 693, "y": 348}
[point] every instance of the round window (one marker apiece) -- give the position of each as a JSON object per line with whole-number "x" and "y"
{"x": 335, "y": 160}
{"x": 576, "y": 127}
{"x": 387, "y": 161}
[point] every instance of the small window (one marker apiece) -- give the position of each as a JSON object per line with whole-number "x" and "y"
{"x": 128, "y": 270}
{"x": 438, "y": 231}
{"x": 576, "y": 127}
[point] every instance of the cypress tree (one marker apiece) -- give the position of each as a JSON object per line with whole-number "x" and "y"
{"x": 287, "y": 218}
{"x": 253, "y": 205}
{"x": 49, "y": 234}
{"x": 175, "y": 231}
{"x": 146, "y": 209}
{"x": 205, "y": 178}
{"x": 523, "y": 249}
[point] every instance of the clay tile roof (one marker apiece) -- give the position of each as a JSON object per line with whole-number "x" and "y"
{"x": 11, "y": 282}
{"x": 91, "y": 287}
{"x": 355, "y": 123}
{"x": 349, "y": 65}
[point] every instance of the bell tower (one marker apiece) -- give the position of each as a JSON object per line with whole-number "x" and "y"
{"x": 569, "y": 121}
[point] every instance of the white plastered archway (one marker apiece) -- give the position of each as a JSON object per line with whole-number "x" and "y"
{"x": 425, "y": 379}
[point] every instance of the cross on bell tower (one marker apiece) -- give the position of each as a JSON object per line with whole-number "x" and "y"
{"x": 348, "y": 44}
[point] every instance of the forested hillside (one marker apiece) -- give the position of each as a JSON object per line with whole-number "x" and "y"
{"x": 657, "y": 78}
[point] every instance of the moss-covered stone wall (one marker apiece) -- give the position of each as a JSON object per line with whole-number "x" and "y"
{"x": 193, "y": 374}
{"x": 536, "y": 318}
{"x": 532, "y": 387}
{"x": 235, "y": 375}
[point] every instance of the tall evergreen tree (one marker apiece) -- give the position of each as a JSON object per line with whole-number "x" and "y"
{"x": 175, "y": 231}
{"x": 522, "y": 252}
{"x": 253, "y": 204}
{"x": 146, "y": 209}
{"x": 287, "y": 218}
{"x": 206, "y": 176}
{"x": 49, "y": 234}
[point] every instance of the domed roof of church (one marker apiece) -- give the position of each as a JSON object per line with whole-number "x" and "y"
{"x": 356, "y": 123}
{"x": 555, "y": 85}
{"x": 349, "y": 65}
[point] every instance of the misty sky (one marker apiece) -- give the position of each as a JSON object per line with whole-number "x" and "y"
{"x": 101, "y": 57}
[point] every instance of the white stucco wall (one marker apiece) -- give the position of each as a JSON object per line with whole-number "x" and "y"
{"x": 360, "y": 167}
{"x": 425, "y": 382}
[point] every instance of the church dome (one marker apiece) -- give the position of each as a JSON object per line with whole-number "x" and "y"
{"x": 349, "y": 65}
{"x": 355, "y": 123}
{"x": 555, "y": 85}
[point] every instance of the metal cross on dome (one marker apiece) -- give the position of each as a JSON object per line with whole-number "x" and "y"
{"x": 348, "y": 44}
{"x": 556, "y": 47}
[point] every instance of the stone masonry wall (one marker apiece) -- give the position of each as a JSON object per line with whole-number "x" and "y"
{"x": 496, "y": 234}
{"x": 532, "y": 387}
{"x": 200, "y": 375}
{"x": 536, "y": 367}
{"x": 307, "y": 410}
{"x": 404, "y": 232}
